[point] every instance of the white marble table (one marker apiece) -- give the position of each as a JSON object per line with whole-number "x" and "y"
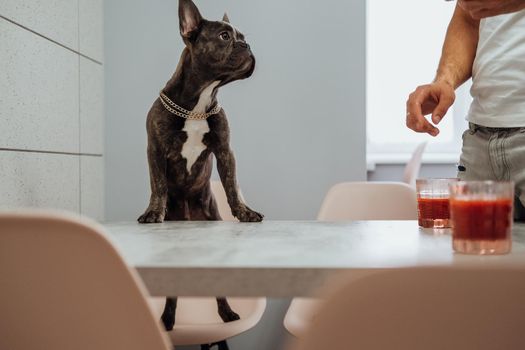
{"x": 281, "y": 258}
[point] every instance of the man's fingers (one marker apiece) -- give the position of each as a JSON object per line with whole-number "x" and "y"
{"x": 423, "y": 126}
{"x": 445, "y": 101}
{"x": 415, "y": 119}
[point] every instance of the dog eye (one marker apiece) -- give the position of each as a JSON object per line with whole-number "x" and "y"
{"x": 224, "y": 36}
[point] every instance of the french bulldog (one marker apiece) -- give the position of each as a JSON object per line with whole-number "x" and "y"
{"x": 186, "y": 127}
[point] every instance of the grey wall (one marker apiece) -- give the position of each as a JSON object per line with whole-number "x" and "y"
{"x": 51, "y": 105}
{"x": 298, "y": 125}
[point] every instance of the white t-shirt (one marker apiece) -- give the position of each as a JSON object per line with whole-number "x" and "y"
{"x": 498, "y": 74}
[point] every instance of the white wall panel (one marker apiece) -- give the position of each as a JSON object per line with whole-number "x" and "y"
{"x": 51, "y": 105}
{"x": 91, "y": 107}
{"x": 92, "y": 187}
{"x": 39, "y": 102}
{"x": 91, "y": 28}
{"x": 54, "y": 19}
{"x": 39, "y": 180}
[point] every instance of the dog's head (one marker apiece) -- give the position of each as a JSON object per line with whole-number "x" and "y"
{"x": 216, "y": 47}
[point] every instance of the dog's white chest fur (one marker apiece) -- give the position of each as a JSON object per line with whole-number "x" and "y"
{"x": 196, "y": 129}
{"x": 193, "y": 147}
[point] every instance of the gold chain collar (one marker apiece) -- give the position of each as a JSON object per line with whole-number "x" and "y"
{"x": 174, "y": 108}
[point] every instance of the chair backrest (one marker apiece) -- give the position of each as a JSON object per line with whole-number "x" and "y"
{"x": 222, "y": 201}
{"x": 369, "y": 201}
{"x": 428, "y": 308}
{"x": 64, "y": 286}
{"x": 413, "y": 166}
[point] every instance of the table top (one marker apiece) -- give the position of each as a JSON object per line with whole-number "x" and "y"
{"x": 282, "y": 258}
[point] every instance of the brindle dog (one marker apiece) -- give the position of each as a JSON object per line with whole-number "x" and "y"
{"x": 180, "y": 150}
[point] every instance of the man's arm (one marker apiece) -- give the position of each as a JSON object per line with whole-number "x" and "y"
{"x": 455, "y": 67}
{"x": 459, "y": 49}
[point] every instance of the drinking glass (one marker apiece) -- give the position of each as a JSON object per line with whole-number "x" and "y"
{"x": 433, "y": 202}
{"x": 482, "y": 214}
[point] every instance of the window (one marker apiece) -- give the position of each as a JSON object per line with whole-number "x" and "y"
{"x": 404, "y": 42}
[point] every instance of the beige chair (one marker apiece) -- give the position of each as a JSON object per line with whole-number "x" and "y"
{"x": 413, "y": 166}
{"x": 426, "y": 308}
{"x": 354, "y": 201}
{"x": 64, "y": 286}
{"x": 197, "y": 320}
{"x": 369, "y": 201}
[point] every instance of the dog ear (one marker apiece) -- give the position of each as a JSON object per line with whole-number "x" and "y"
{"x": 225, "y": 18}
{"x": 189, "y": 18}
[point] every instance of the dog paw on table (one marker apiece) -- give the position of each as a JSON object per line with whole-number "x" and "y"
{"x": 245, "y": 214}
{"x": 152, "y": 216}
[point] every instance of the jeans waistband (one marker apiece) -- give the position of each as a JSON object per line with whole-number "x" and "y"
{"x": 475, "y": 127}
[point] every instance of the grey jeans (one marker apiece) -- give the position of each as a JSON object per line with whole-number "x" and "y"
{"x": 495, "y": 154}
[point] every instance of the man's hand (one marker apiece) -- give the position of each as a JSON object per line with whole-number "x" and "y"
{"x": 435, "y": 98}
{"x": 479, "y": 9}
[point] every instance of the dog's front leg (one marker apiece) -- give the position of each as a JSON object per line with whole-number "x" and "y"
{"x": 159, "y": 187}
{"x": 168, "y": 315}
{"x": 226, "y": 168}
{"x": 225, "y": 311}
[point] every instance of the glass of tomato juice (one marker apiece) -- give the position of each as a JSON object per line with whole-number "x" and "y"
{"x": 433, "y": 202}
{"x": 482, "y": 215}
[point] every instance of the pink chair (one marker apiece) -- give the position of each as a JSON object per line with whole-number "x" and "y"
{"x": 64, "y": 286}
{"x": 354, "y": 201}
{"x": 369, "y": 201}
{"x": 197, "y": 320}
{"x": 425, "y": 308}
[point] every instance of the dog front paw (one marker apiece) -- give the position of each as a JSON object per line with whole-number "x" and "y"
{"x": 245, "y": 214}
{"x": 152, "y": 216}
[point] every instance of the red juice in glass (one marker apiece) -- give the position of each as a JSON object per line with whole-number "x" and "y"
{"x": 482, "y": 214}
{"x": 433, "y": 212}
{"x": 433, "y": 202}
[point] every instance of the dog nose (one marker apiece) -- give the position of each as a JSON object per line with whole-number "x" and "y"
{"x": 244, "y": 45}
